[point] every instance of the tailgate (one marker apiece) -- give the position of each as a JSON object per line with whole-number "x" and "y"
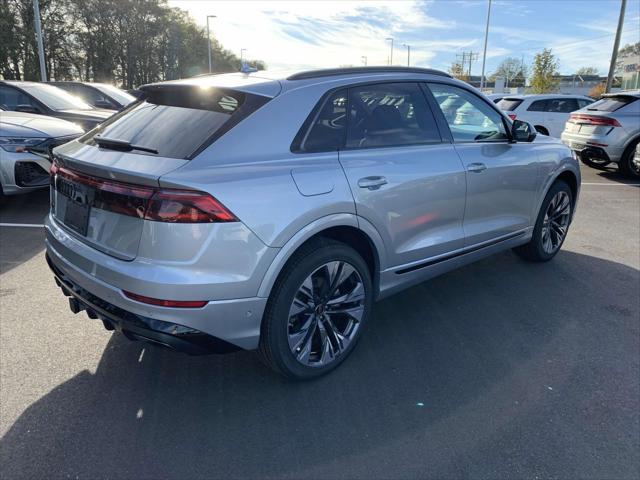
{"x": 89, "y": 194}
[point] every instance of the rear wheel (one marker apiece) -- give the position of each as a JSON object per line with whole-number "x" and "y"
{"x": 594, "y": 162}
{"x": 627, "y": 165}
{"x": 317, "y": 310}
{"x": 551, "y": 226}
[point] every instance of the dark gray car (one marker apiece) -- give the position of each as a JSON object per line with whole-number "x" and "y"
{"x": 270, "y": 212}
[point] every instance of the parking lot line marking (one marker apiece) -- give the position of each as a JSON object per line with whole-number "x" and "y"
{"x": 29, "y": 225}
{"x": 613, "y": 184}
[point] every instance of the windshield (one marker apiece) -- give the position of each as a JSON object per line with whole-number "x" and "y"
{"x": 509, "y": 104}
{"x": 120, "y": 96}
{"x": 56, "y": 98}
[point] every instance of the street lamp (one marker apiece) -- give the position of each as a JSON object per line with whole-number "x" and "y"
{"x": 364, "y": 60}
{"x": 209, "y": 39}
{"x": 484, "y": 53}
{"x": 408, "y": 53}
{"x": 390, "y": 39}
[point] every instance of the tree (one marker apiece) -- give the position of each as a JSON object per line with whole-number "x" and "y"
{"x": 587, "y": 71}
{"x": 128, "y": 42}
{"x": 545, "y": 71}
{"x": 597, "y": 91}
{"x": 456, "y": 70}
{"x": 512, "y": 70}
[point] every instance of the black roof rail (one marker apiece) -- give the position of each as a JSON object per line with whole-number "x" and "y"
{"x": 330, "y": 72}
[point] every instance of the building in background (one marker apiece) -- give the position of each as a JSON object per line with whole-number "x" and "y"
{"x": 630, "y": 72}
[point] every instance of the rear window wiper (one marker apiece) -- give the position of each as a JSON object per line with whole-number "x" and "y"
{"x": 122, "y": 145}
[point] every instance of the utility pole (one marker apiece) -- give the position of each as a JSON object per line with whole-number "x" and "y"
{"x": 390, "y": 56}
{"x": 408, "y": 53}
{"x": 364, "y": 60}
{"x": 616, "y": 45}
{"x": 209, "y": 39}
{"x": 484, "y": 54}
{"x": 36, "y": 16}
{"x": 469, "y": 57}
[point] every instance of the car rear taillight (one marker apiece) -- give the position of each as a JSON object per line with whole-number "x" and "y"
{"x": 165, "y": 303}
{"x": 594, "y": 120}
{"x": 512, "y": 116}
{"x": 149, "y": 203}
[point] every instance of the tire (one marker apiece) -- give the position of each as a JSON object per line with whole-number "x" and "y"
{"x": 537, "y": 250}
{"x": 626, "y": 165}
{"x": 542, "y": 130}
{"x": 595, "y": 162}
{"x": 283, "y": 334}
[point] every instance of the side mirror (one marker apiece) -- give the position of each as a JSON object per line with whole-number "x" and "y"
{"x": 26, "y": 108}
{"x": 523, "y": 131}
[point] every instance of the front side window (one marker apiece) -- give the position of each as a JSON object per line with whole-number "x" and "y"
{"x": 470, "y": 118}
{"x": 389, "y": 114}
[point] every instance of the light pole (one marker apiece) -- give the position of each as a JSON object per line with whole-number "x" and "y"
{"x": 209, "y": 39}
{"x": 616, "y": 44}
{"x": 390, "y": 39}
{"x": 484, "y": 55}
{"x": 36, "y": 17}
{"x": 408, "y": 53}
{"x": 364, "y": 60}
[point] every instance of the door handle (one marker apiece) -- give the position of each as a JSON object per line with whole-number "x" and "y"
{"x": 372, "y": 183}
{"x": 476, "y": 167}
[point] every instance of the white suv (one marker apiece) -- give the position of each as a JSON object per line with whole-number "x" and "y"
{"x": 548, "y": 113}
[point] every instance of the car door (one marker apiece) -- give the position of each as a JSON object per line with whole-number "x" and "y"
{"x": 406, "y": 181}
{"x": 535, "y": 113}
{"x": 557, "y": 113}
{"x": 501, "y": 175}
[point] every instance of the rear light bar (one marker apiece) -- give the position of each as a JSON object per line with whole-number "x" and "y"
{"x": 594, "y": 120}
{"x": 512, "y": 116}
{"x": 165, "y": 303}
{"x": 149, "y": 203}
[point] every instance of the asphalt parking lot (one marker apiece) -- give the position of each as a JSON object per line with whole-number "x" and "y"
{"x": 502, "y": 369}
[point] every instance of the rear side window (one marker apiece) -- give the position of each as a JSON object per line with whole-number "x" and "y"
{"x": 179, "y": 121}
{"x": 538, "y": 106}
{"x": 562, "y": 105}
{"x": 583, "y": 103}
{"x": 611, "y": 104}
{"x": 389, "y": 114}
{"x": 325, "y": 131}
{"x": 509, "y": 104}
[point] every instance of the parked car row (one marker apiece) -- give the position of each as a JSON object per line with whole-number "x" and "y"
{"x": 600, "y": 132}
{"x": 35, "y": 117}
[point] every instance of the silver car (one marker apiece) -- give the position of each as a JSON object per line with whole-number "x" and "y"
{"x": 270, "y": 212}
{"x": 26, "y": 141}
{"x": 607, "y": 131}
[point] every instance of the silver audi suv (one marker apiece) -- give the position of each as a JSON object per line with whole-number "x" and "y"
{"x": 269, "y": 212}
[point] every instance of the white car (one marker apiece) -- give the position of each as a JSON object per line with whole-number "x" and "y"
{"x": 26, "y": 140}
{"x": 548, "y": 113}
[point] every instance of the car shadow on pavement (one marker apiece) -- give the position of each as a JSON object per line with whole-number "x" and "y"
{"x": 612, "y": 173}
{"x": 458, "y": 376}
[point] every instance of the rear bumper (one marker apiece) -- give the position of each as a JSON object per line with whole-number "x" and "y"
{"x": 229, "y": 323}
{"x": 593, "y": 145}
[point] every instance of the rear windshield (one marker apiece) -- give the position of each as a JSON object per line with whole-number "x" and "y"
{"x": 611, "y": 104}
{"x": 177, "y": 121}
{"x": 509, "y": 104}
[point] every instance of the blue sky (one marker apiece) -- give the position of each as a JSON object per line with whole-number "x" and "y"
{"x": 307, "y": 33}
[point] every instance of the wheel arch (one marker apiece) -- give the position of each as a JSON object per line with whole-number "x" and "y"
{"x": 347, "y": 228}
{"x": 541, "y": 127}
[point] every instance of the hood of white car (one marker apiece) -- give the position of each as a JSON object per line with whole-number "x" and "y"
{"x": 32, "y": 125}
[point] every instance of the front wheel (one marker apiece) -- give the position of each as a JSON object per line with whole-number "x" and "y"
{"x": 551, "y": 226}
{"x": 317, "y": 310}
{"x": 627, "y": 164}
